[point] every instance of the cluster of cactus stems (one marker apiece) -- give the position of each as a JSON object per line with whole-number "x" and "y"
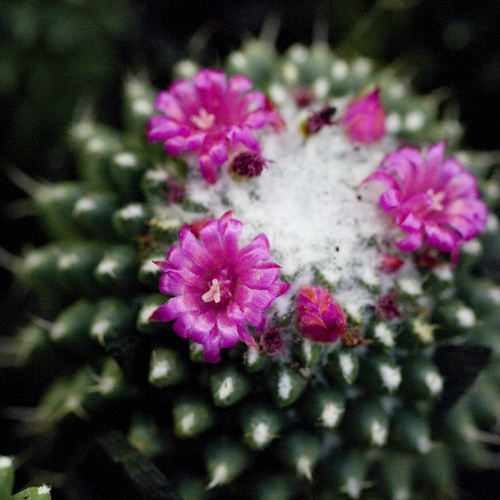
{"x": 407, "y": 399}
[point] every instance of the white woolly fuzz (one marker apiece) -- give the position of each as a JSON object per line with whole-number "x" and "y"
{"x": 160, "y": 368}
{"x": 5, "y": 462}
{"x": 434, "y": 382}
{"x": 251, "y": 356}
{"x": 384, "y": 335}
{"x": 331, "y": 415}
{"x": 304, "y": 467}
{"x": 126, "y": 160}
{"x": 260, "y": 433}
{"x": 44, "y": 490}
{"x": 84, "y": 205}
{"x": 187, "y": 423}
{"x": 346, "y": 365}
{"x": 226, "y": 388}
{"x": 424, "y": 330}
{"x": 353, "y": 487}
{"x": 391, "y": 377}
{"x": 465, "y": 317}
{"x": 219, "y": 476}
{"x": 285, "y": 385}
{"x": 132, "y": 211}
{"x": 379, "y": 433}
{"x": 313, "y": 208}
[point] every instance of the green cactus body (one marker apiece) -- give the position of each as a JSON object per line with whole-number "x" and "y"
{"x": 353, "y": 417}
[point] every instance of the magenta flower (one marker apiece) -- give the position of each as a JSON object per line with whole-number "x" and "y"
{"x": 319, "y": 317}
{"x": 218, "y": 289}
{"x": 430, "y": 198}
{"x": 211, "y": 116}
{"x": 364, "y": 119}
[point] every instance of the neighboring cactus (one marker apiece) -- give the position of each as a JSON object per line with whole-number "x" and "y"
{"x": 354, "y": 380}
{"x": 7, "y": 484}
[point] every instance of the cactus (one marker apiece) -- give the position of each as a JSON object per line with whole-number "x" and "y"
{"x": 360, "y": 368}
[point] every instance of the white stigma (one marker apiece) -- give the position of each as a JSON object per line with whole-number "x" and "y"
{"x": 213, "y": 294}
{"x": 436, "y": 198}
{"x": 204, "y": 119}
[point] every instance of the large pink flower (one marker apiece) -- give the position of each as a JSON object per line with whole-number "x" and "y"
{"x": 211, "y": 116}
{"x": 432, "y": 199}
{"x": 217, "y": 288}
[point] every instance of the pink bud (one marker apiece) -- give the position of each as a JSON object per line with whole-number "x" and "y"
{"x": 364, "y": 119}
{"x": 319, "y": 317}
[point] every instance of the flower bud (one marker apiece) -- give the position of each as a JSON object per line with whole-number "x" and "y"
{"x": 364, "y": 119}
{"x": 319, "y": 316}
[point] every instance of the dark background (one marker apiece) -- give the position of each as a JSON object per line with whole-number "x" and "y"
{"x": 56, "y": 55}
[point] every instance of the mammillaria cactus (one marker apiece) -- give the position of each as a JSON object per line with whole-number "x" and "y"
{"x": 290, "y": 301}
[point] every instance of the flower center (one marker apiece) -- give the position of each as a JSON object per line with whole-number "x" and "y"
{"x": 213, "y": 294}
{"x": 436, "y": 198}
{"x": 203, "y": 120}
{"x": 219, "y": 289}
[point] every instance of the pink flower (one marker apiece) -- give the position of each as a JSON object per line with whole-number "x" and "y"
{"x": 319, "y": 317}
{"x": 364, "y": 119}
{"x": 218, "y": 289}
{"x": 211, "y": 116}
{"x": 430, "y": 198}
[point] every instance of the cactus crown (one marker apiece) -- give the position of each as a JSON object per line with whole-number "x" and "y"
{"x": 260, "y": 230}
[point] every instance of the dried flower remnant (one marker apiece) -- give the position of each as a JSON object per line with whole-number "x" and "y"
{"x": 218, "y": 289}
{"x": 319, "y": 317}
{"x": 269, "y": 339}
{"x": 248, "y": 164}
{"x": 175, "y": 191}
{"x": 364, "y": 119}
{"x": 320, "y": 119}
{"x": 303, "y": 96}
{"x": 387, "y": 306}
{"x": 434, "y": 200}
{"x": 212, "y": 116}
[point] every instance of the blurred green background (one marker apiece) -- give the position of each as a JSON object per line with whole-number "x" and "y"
{"x": 60, "y": 59}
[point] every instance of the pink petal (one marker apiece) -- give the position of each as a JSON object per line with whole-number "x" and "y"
{"x": 228, "y": 330}
{"x": 208, "y": 168}
{"x": 245, "y": 335}
{"x": 411, "y": 242}
{"x": 167, "y": 103}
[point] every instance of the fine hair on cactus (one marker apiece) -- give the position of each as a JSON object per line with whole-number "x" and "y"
{"x": 272, "y": 282}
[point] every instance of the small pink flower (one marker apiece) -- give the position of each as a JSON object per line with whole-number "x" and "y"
{"x": 432, "y": 199}
{"x": 218, "y": 289}
{"x": 364, "y": 119}
{"x": 211, "y": 116}
{"x": 319, "y": 317}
